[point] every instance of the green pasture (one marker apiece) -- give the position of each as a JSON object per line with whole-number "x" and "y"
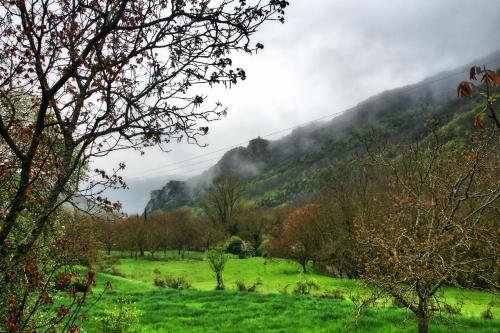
{"x": 201, "y": 309}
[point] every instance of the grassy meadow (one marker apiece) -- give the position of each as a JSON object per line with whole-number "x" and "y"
{"x": 201, "y": 309}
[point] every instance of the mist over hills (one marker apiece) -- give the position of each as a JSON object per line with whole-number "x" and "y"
{"x": 286, "y": 169}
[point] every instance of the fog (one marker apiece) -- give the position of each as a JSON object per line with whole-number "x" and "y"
{"x": 327, "y": 57}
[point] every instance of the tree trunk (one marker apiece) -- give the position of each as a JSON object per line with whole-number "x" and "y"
{"x": 304, "y": 267}
{"x": 423, "y": 325}
{"x": 423, "y": 319}
{"x": 220, "y": 283}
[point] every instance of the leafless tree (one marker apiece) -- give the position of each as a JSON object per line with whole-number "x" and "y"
{"x": 222, "y": 202}
{"x": 435, "y": 223}
{"x": 98, "y": 76}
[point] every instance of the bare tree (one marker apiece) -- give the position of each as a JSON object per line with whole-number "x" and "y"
{"x": 435, "y": 223}
{"x": 100, "y": 76}
{"x": 222, "y": 202}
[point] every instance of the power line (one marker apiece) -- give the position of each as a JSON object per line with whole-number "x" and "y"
{"x": 179, "y": 168}
{"x": 223, "y": 149}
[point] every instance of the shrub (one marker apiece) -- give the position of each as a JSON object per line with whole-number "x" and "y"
{"x": 247, "y": 250}
{"x": 487, "y": 314}
{"x": 304, "y": 287}
{"x": 450, "y": 309}
{"x": 333, "y": 294}
{"x": 241, "y": 248}
{"x": 159, "y": 282}
{"x": 241, "y": 286}
{"x": 235, "y": 245}
{"x": 284, "y": 290}
{"x": 122, "y": 318}
{"x": 180, "y": 282}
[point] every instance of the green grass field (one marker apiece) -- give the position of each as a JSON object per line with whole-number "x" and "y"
{"x": 201, "y": 309}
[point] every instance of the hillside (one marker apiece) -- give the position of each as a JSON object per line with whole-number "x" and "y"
{"x": 287, "y": 169}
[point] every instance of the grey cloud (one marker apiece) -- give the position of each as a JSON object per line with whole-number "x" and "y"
{"x": 327, "y": 57}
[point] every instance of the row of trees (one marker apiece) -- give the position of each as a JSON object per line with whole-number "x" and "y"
{"x": 181, "y": 230}
{"x": 158, "y": 231}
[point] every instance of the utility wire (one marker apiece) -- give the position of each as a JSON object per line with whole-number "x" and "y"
{"x": 228, "y": 147}
{"x": 180, "y": 167}
{"x": 369, "y": 100}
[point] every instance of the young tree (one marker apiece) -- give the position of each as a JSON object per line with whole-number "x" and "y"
{"x": 98, "y": 76}
{"x": 217, "y": 259}
{"x": 435, "y": 223}
{"x": 222, "y": 202}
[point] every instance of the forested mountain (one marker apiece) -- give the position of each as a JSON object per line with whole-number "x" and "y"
{"x": 287, "y": 169}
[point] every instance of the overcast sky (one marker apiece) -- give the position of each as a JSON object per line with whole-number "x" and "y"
{"x": 328, "y": 56}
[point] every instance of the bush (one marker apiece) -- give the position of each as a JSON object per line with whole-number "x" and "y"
{"x": 450, "y": 309}
{"x": 180, "y": 282}
{"x": 234, "y": 245}
{"x": 239, "y": 247}
{"x": 247, "y": 250}
{"x": 284, "y": 290}
{"x": 304, "y": 287}
{"x": 487, "y": 314}
{"x": 333, "y": 294}
{"x": 241, "y": 286}
{"x": 123, "y": 318}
